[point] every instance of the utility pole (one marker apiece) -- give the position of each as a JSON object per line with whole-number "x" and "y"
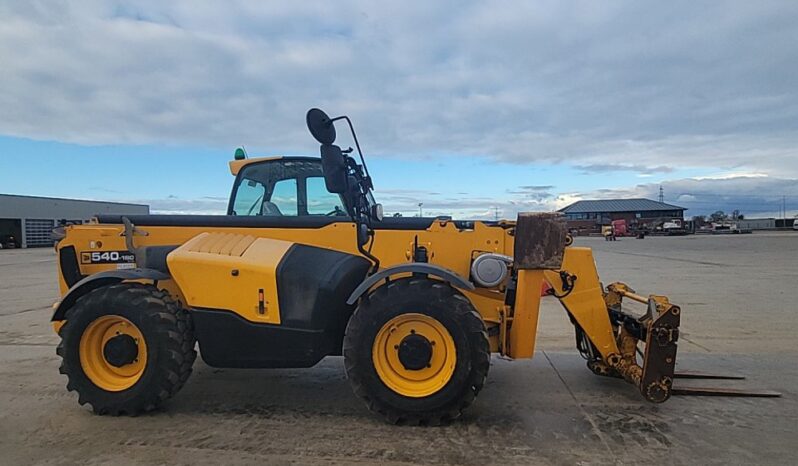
{"x": 784, "y": 208}
{"x": 496, "y": 213}
{"x": 661, "y": 194}
{"x": 420, "y": 210}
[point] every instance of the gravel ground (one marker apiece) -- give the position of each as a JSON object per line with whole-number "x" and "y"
{"x": 738, "y": 295}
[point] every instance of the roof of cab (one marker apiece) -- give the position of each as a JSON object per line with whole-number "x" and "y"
{"x": 237, "y": 165}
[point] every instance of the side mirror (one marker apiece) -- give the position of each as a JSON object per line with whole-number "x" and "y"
{"x": 333, "y": 166}
{"x": 320, "y": 126}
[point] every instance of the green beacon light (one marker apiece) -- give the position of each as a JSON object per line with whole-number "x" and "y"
{"x": 240, "y": 154}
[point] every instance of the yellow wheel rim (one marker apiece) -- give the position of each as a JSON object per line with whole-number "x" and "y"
{"x": 424, "y": 381}
{"x": 92, "y": 358}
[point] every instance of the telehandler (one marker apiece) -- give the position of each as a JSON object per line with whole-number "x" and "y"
{"x": 304, "y": 266}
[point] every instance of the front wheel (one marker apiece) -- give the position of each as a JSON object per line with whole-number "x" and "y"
{"x": 416, "y": 351}
{"x": 126, "y": 348}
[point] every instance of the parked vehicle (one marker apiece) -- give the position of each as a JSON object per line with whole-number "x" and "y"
{"x": 8, "y": 242}
{"x": 722, "y": 228}
{"x": 620, "y": 228}
{"x": 674, "y": 226}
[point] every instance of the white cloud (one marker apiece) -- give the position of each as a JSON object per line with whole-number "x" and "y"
{"x": 732, "y": 175}
{"x": 621, "y": 86}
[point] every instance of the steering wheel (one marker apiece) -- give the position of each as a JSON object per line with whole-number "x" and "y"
{"x": 336, "y": 211}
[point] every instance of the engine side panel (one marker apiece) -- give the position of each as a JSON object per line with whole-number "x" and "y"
{"x": 229, "y": 271}
{"x": 314, "y": 283}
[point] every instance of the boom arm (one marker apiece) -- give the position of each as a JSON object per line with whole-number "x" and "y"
{"x": 606, "y": 335}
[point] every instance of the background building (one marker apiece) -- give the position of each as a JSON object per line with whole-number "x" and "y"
{"x": 589, "y": 216}
{"x": 765, "y": 223}
{"x": 30, "y": 219}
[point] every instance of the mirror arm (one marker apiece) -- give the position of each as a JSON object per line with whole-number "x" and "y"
{"x": 361, "y": 218}
{"x": 354, "y": 136}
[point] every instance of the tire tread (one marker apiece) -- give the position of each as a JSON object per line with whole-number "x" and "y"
{"x": 463, "y": 311}
{"x": 172, "y": 327}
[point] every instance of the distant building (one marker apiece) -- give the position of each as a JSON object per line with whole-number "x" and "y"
{"x": 588, "y": 216}
{"x": 30, "y": 219}
{"x": 765, "y": 223}
{"x": 756, "y": 223}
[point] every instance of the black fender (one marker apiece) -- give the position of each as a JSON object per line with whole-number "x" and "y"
{"x": 100, "y": 279}
{"x": 415, "y": 267}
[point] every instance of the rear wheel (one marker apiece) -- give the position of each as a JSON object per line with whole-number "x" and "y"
{"x": 416, "y": 351}
{"x": 126, "y": 348}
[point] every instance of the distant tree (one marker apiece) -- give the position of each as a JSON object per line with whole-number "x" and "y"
{"x": 718, "y": 216}
{"x": 736, "y": 215}
{"x": 741, "y": 217}
{"x": 398, "y": 214}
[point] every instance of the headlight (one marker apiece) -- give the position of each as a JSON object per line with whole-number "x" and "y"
{"x": 376, "y": 212}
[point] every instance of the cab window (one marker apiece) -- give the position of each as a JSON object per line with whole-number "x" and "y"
{"x": 283, "y": 200}
{"x": 321, "y": 201}
{"x": 249, "y": 196}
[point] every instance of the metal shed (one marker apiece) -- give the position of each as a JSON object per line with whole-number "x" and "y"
{"x": 26, "y": 221}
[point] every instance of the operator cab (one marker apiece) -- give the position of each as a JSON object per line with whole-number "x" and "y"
{"x": 333, "y": 185}
{"x": 284, "y": 186}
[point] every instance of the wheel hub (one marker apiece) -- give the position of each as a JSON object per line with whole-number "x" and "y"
{"x": 120, "y": 350}
{"x": 415, "y": 352}
{"x": 414, "y": 355}
{"x": 113, "y": 353}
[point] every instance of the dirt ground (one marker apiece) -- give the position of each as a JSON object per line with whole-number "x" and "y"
{"x": 738, "y": 294}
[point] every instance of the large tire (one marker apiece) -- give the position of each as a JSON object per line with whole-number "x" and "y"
{"x": 166, "y": 360}
{"x": 431, "y": 301}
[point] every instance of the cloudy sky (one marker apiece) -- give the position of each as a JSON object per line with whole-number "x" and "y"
{"x": 474, "y": 108}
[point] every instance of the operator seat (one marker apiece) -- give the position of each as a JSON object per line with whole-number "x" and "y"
{"x": 270, "y": 209}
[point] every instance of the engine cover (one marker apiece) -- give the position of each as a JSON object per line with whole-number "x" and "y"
{"x": 230, "y": 271}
